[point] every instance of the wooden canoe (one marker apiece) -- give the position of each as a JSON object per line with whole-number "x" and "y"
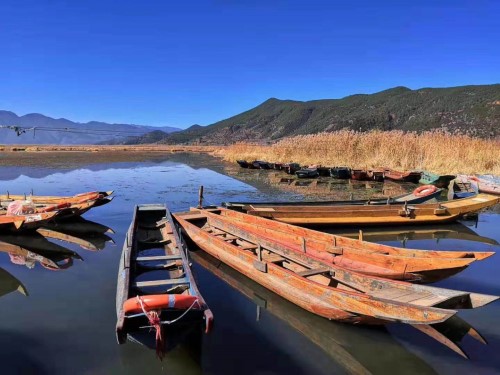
{"x": 154, "y": 264}
{"x": 9, "y": 284}
{"x": 365, "y": 257}
{"x": 346, "y": 345}
{"x": 409, "y": 198}
{"x": 425, "y": 213}
{"x": 323, "y": 288}
{"x": 481, "y": 184}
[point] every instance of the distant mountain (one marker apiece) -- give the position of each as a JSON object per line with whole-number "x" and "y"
{"x": 61, "y": 131}
{"x": 468, "y": 109}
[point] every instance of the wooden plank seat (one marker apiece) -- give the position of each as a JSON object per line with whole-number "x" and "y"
{"x": 158, "y": 257}
{"x": 313, "y": 271}
{"x": 142, "y": 284}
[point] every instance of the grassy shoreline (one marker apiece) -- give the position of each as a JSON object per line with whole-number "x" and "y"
{"x": 434, "y": 151}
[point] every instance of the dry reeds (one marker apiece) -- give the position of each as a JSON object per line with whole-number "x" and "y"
{"x": 436, "y": 151}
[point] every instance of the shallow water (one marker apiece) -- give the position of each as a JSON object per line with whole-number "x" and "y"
{"x": 66, "y": 324}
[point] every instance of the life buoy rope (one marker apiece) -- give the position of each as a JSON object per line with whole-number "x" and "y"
{"x": 424, "y": 190}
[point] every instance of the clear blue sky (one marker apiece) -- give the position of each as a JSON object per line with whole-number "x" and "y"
{"x": 183, "y": 62}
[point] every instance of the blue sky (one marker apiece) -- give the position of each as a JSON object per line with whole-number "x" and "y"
{"x": 185, "y": 62}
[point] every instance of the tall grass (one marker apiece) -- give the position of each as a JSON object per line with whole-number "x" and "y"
{"x": 435, "y": 151}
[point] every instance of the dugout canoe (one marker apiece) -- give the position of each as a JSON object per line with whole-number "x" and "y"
{"x": 410, "y": 198}
{"x": 360, "y": 256}
{"x": 425, "y": 213}
{"x": 154, "y": 277}
{"x": 320, "y": 287}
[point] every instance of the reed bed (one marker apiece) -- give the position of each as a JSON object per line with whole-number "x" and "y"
{"x": 436, "y": 151}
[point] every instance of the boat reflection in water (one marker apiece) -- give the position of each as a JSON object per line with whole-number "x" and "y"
{"x": 357, "y": 350}
{"x": 455, "y": 231}
{"x": 181, "y": 354}
{"x": 84, "y": 233}
{"x": 9, "y": 284}
{"x": 30, "y": 247}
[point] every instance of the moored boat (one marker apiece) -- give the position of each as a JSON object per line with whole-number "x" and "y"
{"x": 291, "y": 168}
{"x": 441, "y": 181}
{"x": 409, "y": 198}
{"x": 242, "y": 163}
{"x": 375, "y": 175}
{"x": 307, "y": 173}
{"x": 156, "y": 287}
{"x": 105, "y": 196}
{"x": 424, "y": 213}
{"x": 407, "y": 176}
{"x": 360, "y": 256}
{"x": 341, "y": 173}
{"x": 320, "y": 287}
{"x": 359, "y": 175}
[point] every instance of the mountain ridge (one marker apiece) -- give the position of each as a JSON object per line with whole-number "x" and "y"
{"x": 80, "y": 133}
{"x": 466, "y": 109}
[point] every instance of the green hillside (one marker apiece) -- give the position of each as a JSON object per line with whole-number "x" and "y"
{"x": 467, "y": 109}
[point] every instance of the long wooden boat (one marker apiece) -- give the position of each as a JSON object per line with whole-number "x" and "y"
{"x": 409, "y": 198}
{"x": 46, "y": 199}
{"x": 319, "y": 286}
{"x": 425, "y": 213}
{"x": 359, "y": 175}
{"x": 376, "y": 175}
{"x": 155, "y": 284}
{"x": 429, "y": 178}
{"x": 345, "y": 344}
{"x": 407, "y": 176}
{"x": 360, "y": 256}
{"x": 9, "y": 284}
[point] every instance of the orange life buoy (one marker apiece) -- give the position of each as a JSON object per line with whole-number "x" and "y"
{"x": 159, "y": 301}
{"x": 424, "y": 190}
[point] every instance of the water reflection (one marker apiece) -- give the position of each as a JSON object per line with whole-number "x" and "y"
{"x": 403, "y": 235}
{"x": 9, "y": 284}
{"x": 359, "y": 350}
{"x": 28, "y": 248}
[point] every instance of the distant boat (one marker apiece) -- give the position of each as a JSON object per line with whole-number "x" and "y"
{"x": 376, "y": 175}
{"x": 359, "y": 175}
{"x": 242, "y": 163}
{"x": 429, "y": 178}
{"x": 291, "y": 168}
{"x": 307, "y": 173}
{"x": 398, "y": 176}
{"x": 341, "y": 173}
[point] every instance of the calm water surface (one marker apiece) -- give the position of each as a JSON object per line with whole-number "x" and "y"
{"x": 66, "y": 323}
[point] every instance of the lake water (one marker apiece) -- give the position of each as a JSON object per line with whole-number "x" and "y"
{"x": 67, "y": 322}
